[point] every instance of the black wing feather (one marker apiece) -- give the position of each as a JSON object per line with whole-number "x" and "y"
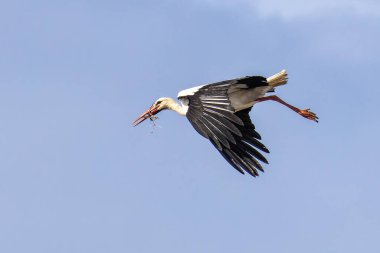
{"x": 232, "y": 133}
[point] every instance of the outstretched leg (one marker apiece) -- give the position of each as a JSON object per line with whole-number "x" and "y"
{"x": 306, "y": 113}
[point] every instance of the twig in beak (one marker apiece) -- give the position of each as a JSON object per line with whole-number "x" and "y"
{"x": 149, "y": 114}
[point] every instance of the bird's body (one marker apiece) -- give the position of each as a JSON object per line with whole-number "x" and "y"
{"x": 220, "y": 113}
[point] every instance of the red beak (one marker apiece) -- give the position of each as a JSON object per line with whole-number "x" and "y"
{"x": 146, "y": 115}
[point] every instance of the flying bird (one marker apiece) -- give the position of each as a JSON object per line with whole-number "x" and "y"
{"x": 220, "y": 112}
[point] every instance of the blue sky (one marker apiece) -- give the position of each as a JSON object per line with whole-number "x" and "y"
{"x": 76, "y": 177}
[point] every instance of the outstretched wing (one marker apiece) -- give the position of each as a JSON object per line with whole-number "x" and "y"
{"x": 210, "y": 112}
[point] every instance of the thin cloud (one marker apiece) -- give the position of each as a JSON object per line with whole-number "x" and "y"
{"x": 299, "y": 8}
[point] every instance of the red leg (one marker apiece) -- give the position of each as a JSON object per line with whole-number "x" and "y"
{"x": 306, "y": 113}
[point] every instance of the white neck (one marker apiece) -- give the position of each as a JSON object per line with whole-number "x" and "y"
{"x": 174, "y": 106}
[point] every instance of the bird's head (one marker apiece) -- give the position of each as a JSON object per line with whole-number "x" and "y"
{"x": 159, "y": 105}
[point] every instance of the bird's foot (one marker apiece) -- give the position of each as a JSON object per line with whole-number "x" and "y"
{"x": 306, "y": 113}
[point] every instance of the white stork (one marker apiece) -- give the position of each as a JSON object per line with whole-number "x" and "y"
{"x": 220, "y": 112}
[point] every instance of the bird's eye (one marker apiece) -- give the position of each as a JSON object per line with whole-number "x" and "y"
{"x": 158, "y": 102}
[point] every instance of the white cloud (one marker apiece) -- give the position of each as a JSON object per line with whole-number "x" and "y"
{"x": 289, "y": 9}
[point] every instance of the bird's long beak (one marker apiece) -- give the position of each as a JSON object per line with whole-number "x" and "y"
{"x": 146, "y": 115}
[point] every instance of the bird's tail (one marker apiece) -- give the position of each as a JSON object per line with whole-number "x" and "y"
{"x": 278, "y": 79}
